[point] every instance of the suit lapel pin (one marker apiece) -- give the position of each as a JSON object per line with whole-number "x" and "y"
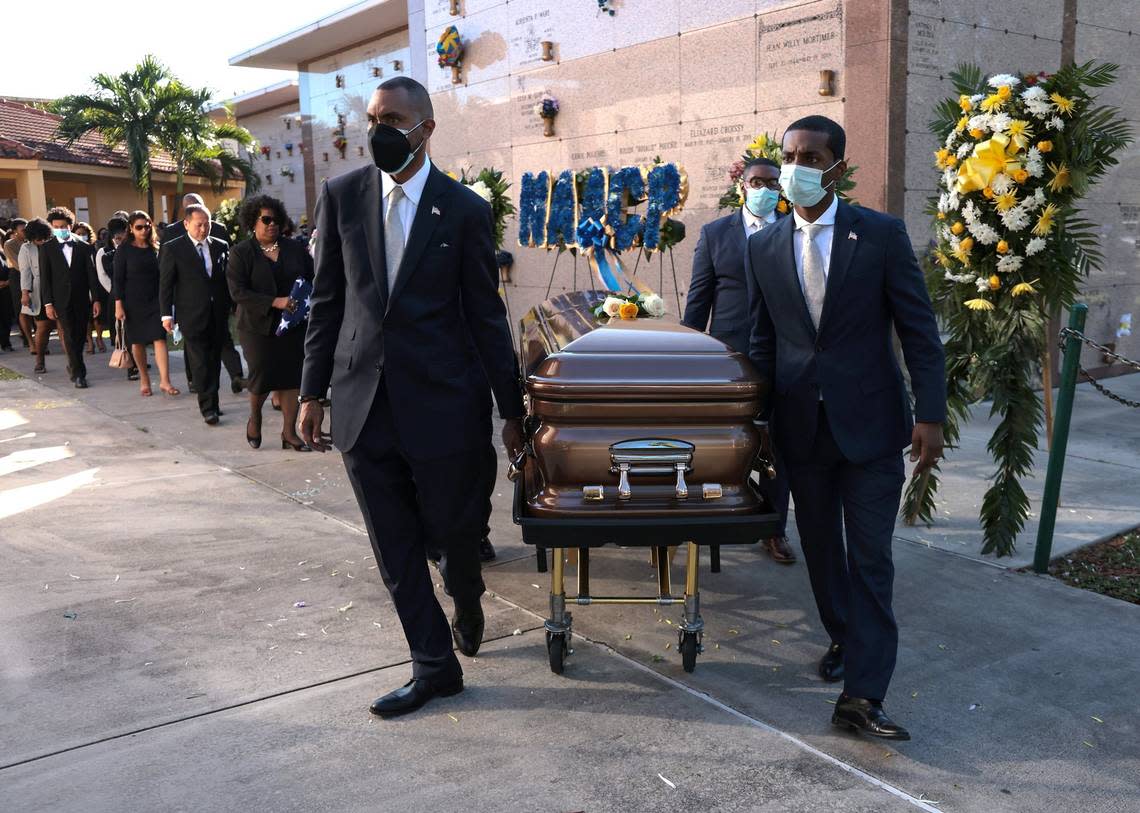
{"x": 435, "y": 211}
{"x": 852, "y": 236}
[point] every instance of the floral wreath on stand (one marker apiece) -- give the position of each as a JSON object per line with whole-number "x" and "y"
{"x": 1011, "y": 249}
{"x": 491, "y": 186}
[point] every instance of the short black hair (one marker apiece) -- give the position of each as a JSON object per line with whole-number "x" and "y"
{"x": 760, "y": 162}
{"x": 61, "y": 213}
{"x": 37, "y": 229}
{"x": 16, "y": 222}
{"x": 416, "y": 92}
{"x": 191, "y": 208}
{"x": 117, "y": 224}
{"x": 836, "y": 137}
{"x": 251, "y": 209}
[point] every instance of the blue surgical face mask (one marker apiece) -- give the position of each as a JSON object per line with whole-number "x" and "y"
{"x": 761, "y": 202}
{"x": 61, "y": 234}
{"x": 802, "y": 185}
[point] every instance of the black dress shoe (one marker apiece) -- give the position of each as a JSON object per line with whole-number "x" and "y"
{"x": 831, "y": 664}
{"x": 867, "y": 716}
{"x": 486, "y": 550}
{"x": 211, "y": 418}
{"x": 80, "y": 383}
{"x": 237, "y": 385}
{"x": 413, "y": 695}
{"x": 467, "y": 628}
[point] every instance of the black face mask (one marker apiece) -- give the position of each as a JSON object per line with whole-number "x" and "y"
{"x": 390, "y": 148}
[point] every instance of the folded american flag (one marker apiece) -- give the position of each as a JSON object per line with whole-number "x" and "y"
{"x": 302, "y": 290}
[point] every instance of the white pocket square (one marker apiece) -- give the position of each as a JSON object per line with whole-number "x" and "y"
{"x": 435, "y": 211}
{"x": 852, "y": 236}
{"x": 444, "y": 245}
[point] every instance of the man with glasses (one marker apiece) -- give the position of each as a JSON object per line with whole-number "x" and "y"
{"x": 718, "y": 290}
{"x": 70, "y": 289}
{"x": 192, "y": 284}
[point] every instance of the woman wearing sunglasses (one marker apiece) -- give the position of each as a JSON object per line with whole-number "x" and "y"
{"x": 135, "y": 291}
{"x": 261, "y": 274}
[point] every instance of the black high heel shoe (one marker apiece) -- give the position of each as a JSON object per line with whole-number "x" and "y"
{"x": 299, "y": 447}
{"x": 254, "y": 441}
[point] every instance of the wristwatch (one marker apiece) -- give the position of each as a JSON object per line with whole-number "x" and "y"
{"x": 303, "y": 398}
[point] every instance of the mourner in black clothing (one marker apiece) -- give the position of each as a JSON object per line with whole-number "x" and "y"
{"x": 70, "y": 288}
{"x": 408, "y": 328}
{"x": 261, "y": 274}
{"x": 192, "y": 284}
{"x": 230, "y": 358}
{"x": 135, "y": 289}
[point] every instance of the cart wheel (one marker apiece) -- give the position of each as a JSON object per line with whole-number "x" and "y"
{"x": 556, "y": 647}
{"x": 689, "y": 651}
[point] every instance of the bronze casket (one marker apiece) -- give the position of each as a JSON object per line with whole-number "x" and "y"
{"x": 642, "y": 433}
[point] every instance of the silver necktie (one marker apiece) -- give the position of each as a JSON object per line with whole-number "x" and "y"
{"x": 202, "y": 254}
{"x": 393, "y": 236}
{"x": 815, "y": 282}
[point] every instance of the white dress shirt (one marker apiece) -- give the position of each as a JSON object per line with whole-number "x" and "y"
{"x": 205, "y": 246}
{"x": 413, "y": 191}
{"x": 67, "y": 251}
{"x": 753, "y": 224}
{"x": 104, "y": 279}
{"x": 823, "y": 239}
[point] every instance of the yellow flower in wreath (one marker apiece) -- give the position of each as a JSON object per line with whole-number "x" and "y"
{"x": 1002, "y": 247}
{"x": 965, "y": 103}
{"x": 759, "y": 144}
{"x": 988, "y": 192}
{"x": 628, "y": 310}
{"x": 1045, "y": 220}
{"x": 942, "y": 158}
{"x": 1063, "y": 105}
{"x": 1004, "y": 93}
{"x": 782, "y": 207}
{"x": 1005, "y": 201}
{"x": 979, "y": 304}
{"x": 1019, "y": 133}
{"x": 963, "y": 123}
{"x": 1019, "y": 175}
{"x": 995, "y": 282}
{"x": 958, "y": 227}
{"x": 943, "y": 260}
{"x": 966, "y": 244}
{"x": 992, "y": 103}
{"x": 1062, "y": 178}
{"x": 1023, "y": 288}
{"x": 976, "y": 134}
{"x": 1045, "y": 146}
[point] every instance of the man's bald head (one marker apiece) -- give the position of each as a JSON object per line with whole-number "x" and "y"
{"x": 417, "y": 97}
{"x": 191, "y": 198}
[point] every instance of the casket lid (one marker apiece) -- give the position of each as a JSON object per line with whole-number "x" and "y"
{"x": 645, "y": 359}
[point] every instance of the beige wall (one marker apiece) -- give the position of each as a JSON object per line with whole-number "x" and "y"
{"x": 275, "y": 129}
{"x": 1019, "y": 36}
{"x": 690, "y": 82}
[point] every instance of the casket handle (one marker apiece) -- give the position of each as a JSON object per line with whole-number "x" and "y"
{"x": 651, "y": 457}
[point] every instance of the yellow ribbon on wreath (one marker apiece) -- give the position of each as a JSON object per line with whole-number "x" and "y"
{"x": 989, "y": 158}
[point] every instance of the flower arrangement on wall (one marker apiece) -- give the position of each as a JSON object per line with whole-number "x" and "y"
{"x": 547, "y": 110}
{"x": 607, "y": 7}
{"x": 289, "y": 147}
{"x": 341, "y": 144}
{"x": 768, "y": 146}
{"x": 288, "y": 173}
{"x": 1012, "y": 246}
{"x": 264, "y": 150}
{"x": 449, "y": 52}
{"x": 491, "y": 186}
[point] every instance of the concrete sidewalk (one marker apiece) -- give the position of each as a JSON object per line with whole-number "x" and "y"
{"x": 154, "y": 657}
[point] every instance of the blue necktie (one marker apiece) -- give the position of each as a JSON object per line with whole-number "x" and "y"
{"x": 202, "y": 255}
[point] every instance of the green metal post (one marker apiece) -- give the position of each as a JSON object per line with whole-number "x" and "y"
{"x": 1061, "y": 420}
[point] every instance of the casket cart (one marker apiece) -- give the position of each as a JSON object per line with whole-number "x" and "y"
{"x": 640, "y": 434}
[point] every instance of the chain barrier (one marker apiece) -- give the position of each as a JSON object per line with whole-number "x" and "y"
{"x": 1107, "y": 352}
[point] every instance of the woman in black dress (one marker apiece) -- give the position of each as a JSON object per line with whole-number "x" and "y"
{"x": 135, "y": 291}
{"x": 261, "y": 273}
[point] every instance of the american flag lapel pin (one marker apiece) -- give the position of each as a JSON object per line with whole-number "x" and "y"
{"x": 435, "y": 211}
{"x": 852, "y": 235}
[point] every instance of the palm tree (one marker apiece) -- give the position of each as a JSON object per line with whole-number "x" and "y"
{"x": 128, "y": 110}
{"x": 198, "y": 144}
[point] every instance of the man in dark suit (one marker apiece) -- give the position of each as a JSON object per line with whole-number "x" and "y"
{"x": 192, "y": 284}
{"x": 71, "y": 290}
{"x": 825, "y": 287}
{"x": 718, "y": 289}
{"x": 408, "y": 327}
{"x": 230, "y": 358}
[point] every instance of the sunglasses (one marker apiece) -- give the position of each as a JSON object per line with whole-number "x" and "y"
{"x": 269, "y": 220}
{"x": 143, "y": 227}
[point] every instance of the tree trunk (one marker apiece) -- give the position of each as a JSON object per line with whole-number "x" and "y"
{"x": 179, "y": 185}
